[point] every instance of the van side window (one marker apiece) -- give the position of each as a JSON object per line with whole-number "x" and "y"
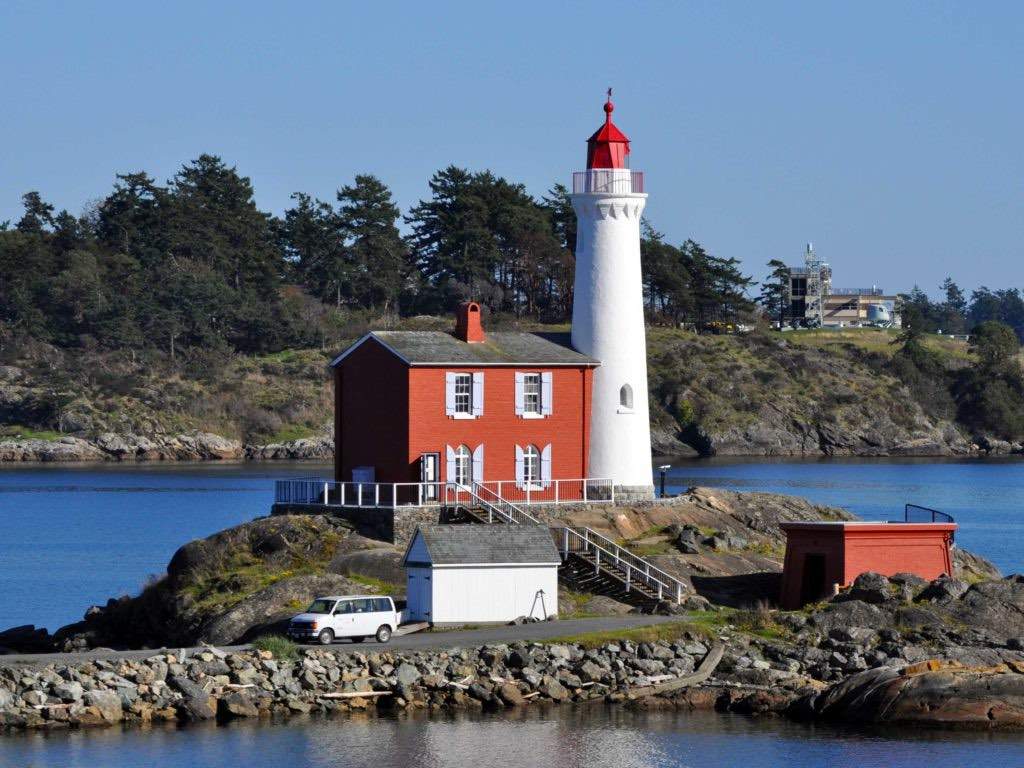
{"x": 344, "y": 606}
{"x": 381, "y": 604}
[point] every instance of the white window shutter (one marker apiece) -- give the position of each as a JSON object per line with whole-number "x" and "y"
{"x": 520, "y": 393}
{"x": 545, "y": 466}
{"x": 478, "y": 393}
{"x": 449, "y": 474}
{"x": 546, "y": 388}
{"x": 520, "y": 470}
{"x": 449, "y": 393}
{"x": 478, "y": 464}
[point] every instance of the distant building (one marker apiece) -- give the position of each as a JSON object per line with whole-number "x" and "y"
{"x": 812, "y": 302}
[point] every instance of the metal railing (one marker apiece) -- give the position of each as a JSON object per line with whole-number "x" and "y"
{"x": 912, "y": 513}
{"x": 587, "y": 541}
{"x": 617, "y": 181}
{"x": 335, "y": 494}
{"x": 582, "y": 540}
{"x": 588, "y": 490}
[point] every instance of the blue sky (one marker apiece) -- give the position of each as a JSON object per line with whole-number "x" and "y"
{"x": 889, "y": 134}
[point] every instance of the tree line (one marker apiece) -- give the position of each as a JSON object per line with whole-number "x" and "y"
{"x": 194, "y": 263}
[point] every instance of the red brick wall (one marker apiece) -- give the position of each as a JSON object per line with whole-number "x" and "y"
{"x": 897, "y": 549}
{"x": 371, "y": 394}
{"x": 567, "y": 429}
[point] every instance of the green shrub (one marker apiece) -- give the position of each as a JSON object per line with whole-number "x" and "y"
{"x": 281, "y": 647}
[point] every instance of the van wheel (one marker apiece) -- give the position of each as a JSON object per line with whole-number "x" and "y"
{"x": 326, "y": 636}
{"x": 383, "y": 633}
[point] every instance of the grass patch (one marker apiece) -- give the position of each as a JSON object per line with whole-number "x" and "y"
{"x": 668, "y": 632}
{"x": 379, "y": 586}
{"x": 571, "y": 605}
{"x": 759, "y": 621}
{"x": 292, "y": 432}
{"x": 19, "y": 432}
{"x": 282, "y": 648}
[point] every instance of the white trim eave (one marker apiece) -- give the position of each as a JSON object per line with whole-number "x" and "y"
{"x": 551, "y": 563}
{"x": 359, "y": 343}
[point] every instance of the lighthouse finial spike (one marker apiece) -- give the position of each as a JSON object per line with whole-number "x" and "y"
{"x": 608, "y": 106}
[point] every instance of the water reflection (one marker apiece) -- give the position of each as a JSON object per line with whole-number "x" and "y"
{"x": 585, "y": 737}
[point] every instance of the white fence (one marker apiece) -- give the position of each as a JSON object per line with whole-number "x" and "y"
{"x": 587, "y": 490}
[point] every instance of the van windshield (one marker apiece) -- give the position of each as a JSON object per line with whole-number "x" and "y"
{"x": 321, "y": 606}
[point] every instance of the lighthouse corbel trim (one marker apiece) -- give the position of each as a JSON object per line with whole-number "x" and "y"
{"x": 608, "y": 310}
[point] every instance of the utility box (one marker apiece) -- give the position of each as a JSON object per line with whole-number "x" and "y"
{"x": 824, "y": 556}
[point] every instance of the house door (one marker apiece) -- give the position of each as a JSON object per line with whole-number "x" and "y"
{"x": 812, "y": 587}
{"x": 429, "y": 471}
{"x": 419, "y": 594}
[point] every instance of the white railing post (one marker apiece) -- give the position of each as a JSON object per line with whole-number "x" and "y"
{"x": 659, "y": 590}
{"x": 359, "y": 495}
{"x": 556, "y": 490}
{"x": 325, "y": 494}
{"x": 394, "y": 494}
{"x": 419, "y": 495}
{"x": 679, "y": 593}
{"x": 343, "y": 493}
{"x": 627, "y": 577}
{"x": 376, "y": 494}
{"x": 584, "y": 490}
{"x": 613, "y": 491}
{"x": 565, "y": 541}
{"x": 597, "y": 560}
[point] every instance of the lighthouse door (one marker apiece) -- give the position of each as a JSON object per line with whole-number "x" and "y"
{"x": 429, "y": 463}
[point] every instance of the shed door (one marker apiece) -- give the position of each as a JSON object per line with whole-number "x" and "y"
{"x": 419, "y": 601}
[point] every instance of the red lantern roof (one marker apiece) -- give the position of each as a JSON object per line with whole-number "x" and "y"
{"x": 608, "y": 147}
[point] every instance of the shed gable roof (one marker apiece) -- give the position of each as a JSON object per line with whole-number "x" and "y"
{"x": 501, "y": 348}
{"x": 486, "y": 544}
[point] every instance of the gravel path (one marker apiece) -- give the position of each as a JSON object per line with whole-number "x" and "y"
{"x": 420, "y": 640}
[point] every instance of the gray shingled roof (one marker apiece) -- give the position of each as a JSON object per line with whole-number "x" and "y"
{"x": 500, "y": 348}
{"x": 481, "y": 544}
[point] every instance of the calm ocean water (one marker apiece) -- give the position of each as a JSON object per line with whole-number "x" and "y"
{"x": 74, "y": 536}
{"x": 585, "y": 737}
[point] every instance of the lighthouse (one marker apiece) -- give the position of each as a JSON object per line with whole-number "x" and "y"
{"x": 608, "y": 311}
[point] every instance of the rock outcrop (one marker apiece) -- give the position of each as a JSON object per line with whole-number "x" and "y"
{"x": 192, "y": 446}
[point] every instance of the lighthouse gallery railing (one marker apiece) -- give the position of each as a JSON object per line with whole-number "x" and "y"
{"x": 616, "y": 181}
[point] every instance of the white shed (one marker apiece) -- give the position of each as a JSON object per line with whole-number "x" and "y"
{"x": 464, "y": 573}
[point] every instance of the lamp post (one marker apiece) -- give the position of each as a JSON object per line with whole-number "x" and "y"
{"x": 663, "y": 469}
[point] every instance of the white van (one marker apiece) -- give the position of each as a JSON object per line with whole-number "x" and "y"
{"x": 353, "y": 616}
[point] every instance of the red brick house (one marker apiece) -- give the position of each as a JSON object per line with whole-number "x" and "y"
{"x": 433, "y": 407}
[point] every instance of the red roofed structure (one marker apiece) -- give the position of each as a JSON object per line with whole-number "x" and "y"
{"x": 609, "y": 146}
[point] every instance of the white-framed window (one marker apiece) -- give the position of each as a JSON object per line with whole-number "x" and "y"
{"x": 531, "y": 393}
{"x": 464, "y": 393}
{"x": 531, "y": 466}
{"x": 463, "y": 465}
{"x": 534, "y": 394}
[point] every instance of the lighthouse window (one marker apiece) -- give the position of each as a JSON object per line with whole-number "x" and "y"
{"x": 531, "y": 466}
{"x": 531, "y": 393}
{"x": 463, "y": 393}
{"x": 626, "y": 397}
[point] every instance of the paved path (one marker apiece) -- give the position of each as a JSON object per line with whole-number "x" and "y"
{"x": 420, "y": 640}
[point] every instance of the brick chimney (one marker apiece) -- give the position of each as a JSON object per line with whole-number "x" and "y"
{"x": 467, "y": 323}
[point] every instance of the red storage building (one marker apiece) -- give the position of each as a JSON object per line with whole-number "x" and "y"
{"x": 438, "y": 407}
{"x": 821, "y": 555}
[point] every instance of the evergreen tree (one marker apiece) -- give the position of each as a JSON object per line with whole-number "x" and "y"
{"x": 376, "y": 254}
{"x": 775, "y": 292}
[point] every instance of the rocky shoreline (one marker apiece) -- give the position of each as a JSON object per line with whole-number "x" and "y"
{"x": 727, "y": 671}
{"x": 194, "y": 446}
{"x": 759, "y": 440}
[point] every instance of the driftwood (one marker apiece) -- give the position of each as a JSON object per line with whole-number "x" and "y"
{"x": 702, "y": 673}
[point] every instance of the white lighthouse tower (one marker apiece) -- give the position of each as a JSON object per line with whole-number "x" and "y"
{"x": 608, "y": 311}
